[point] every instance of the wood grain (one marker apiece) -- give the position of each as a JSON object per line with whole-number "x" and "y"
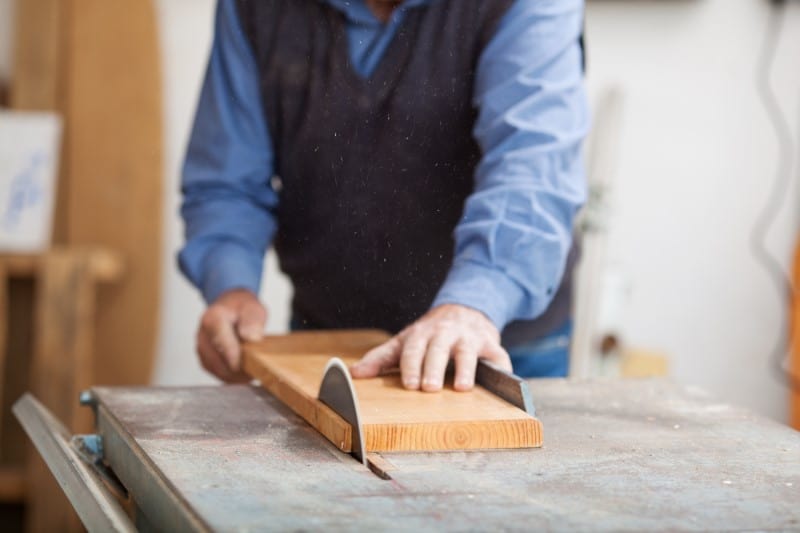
{"x": 105, "y": 265}
{"x": 393, "y": 418}
{"x": 114, "y": 161}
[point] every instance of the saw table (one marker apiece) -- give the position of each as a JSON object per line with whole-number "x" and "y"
{"x": 617, "y": 455}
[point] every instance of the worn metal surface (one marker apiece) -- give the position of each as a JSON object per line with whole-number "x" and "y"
{"x": 618, "y": 455}
{"x": 94, "y": 503}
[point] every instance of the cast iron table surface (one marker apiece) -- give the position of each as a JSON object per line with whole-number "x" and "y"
{"x": 618, "y": 455}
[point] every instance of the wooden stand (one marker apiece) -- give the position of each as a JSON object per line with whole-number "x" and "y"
{"x": 47, "y": 338}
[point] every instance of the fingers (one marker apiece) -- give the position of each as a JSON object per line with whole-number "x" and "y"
{"x": 217, "y": 326}
{"x": 413, "y": 352}
{"x": 436, "y": 360}
{"x": 209, "y": 358}
{"x": 215, "y": 363}
{"x": 252, "y": 319}
{"x": 424, "y": 349}
{"x": 235, "y": 314}
{"x": 377, "y": 360}
{"x": 466, "y": 359}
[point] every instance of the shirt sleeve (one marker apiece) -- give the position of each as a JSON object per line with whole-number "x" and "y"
{"x": 228, "y": 200}
{"x": 513, "y": 240}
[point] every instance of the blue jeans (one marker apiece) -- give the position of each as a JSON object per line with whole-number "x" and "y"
{"x": 545, "y": 357}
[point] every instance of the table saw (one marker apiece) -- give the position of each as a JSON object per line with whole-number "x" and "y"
{"x": 616, "y": 455}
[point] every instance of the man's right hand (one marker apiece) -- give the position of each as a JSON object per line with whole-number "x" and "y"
{"x": 235, "y": 316}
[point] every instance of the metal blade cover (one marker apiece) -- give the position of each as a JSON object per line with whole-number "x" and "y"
{"x": 338, "y": 393}
{"x": 507, "y": 386}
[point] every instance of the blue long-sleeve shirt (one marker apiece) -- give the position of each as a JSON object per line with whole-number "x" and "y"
{"x": 513, "y": 239}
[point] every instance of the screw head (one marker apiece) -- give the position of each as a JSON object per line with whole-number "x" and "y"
{"x": 86, "y": 398}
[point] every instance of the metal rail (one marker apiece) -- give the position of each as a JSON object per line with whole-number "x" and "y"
{"x": 96, "y": 506}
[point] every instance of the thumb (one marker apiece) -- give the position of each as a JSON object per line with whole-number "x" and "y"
{"x": 251, "y": 322}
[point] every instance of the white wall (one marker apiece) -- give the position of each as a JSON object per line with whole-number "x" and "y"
{"x": 186, "y": 31}
{"x": 698, "y": 158}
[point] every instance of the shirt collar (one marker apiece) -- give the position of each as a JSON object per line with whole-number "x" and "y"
{"x": 358, "y": 12}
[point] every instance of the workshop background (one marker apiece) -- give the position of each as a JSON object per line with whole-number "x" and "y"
{"x": 694, "y": 159}
{"x": 690, "y": 235}
{"x": 690, "y": 150}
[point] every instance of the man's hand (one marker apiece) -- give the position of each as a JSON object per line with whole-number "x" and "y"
{"x": 424, "y": 348}
{"x": 235, "y": 316}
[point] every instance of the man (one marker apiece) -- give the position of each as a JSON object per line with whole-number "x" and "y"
{"x": 417, "y": 165}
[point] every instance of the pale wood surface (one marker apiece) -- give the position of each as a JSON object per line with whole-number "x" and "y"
{"x": 98, "y": 64}
{"x": 114, "y": 159}
{"x": 393, "y": 418}
{"x": 621, "y": 455}
{"x": 105, "y": 265}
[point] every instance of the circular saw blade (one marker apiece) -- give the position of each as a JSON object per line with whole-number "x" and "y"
{"x": 337, "y": 392}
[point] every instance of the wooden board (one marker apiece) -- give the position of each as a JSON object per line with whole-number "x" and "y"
{"x": 114, "y": 161}
{"x": 393, "y": 418}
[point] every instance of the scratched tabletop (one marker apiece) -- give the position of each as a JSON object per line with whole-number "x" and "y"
{"x": 618, "y": 455}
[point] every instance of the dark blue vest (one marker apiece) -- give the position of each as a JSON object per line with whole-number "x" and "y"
{"x": 375, "y": 171}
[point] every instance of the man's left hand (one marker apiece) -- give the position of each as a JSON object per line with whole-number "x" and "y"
{"x": 423, "y": 349}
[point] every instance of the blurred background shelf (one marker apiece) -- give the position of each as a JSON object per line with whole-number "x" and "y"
{"x": 48, "y": 309}
{"x": 12, "y": 484}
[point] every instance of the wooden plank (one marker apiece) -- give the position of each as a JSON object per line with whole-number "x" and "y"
{"x": 98, "y": 63}
{"x": 393, "y": 418}
{"x": 114, "y": 159}
{"x": 105, "y": 265}
{"x": 273, "y": 378}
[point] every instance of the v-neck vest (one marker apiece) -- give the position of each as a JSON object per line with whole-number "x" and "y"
{"x": 374, "y": 171}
